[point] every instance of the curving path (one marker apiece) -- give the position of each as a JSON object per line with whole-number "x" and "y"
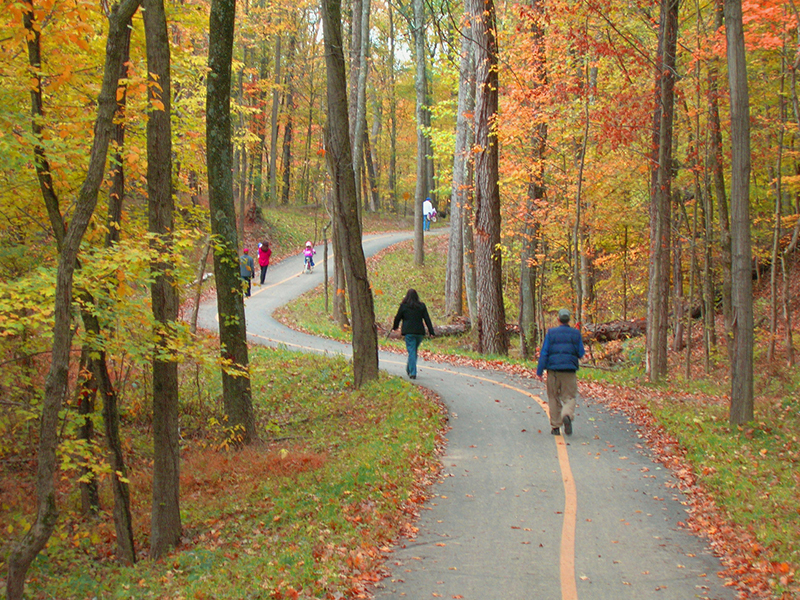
{"x": 519, "y": 514}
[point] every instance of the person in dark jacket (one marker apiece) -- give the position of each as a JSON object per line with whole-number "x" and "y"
{"x": 414, "y": 315}
{"x": 560, "y": 355}
{"x": 246, "y": 270}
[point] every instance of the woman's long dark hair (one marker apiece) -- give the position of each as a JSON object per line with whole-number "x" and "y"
{"x": 412, "y": 298}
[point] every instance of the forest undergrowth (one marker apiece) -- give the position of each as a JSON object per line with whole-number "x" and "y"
{"x": 307, "y": 512}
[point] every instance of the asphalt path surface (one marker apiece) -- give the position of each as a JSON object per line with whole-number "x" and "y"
{"x": 520, "y": 514}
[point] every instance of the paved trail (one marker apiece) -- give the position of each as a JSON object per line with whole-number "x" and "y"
{"x": 520, "y": 514}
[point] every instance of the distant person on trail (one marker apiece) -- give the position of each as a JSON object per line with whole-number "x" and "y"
{"x": 308, "y": 253}
{"x": 264, "y": 252}
{"x": 427, "y": 214}
{"x": 561, "y": 352}
{"x": 414, "y": 315}
{"x": 246, "y": 269}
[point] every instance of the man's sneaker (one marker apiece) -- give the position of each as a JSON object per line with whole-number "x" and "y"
{"x": 555, "y": 431}
{"x": 567, "y": 425}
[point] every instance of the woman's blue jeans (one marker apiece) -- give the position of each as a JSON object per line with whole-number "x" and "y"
{"x": 413, "y": 340}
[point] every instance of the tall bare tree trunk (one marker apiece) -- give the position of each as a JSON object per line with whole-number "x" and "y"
{"x": 273, "y": 147}
{"x": 661, "y": 195}
{"x": 578, "y": 230}
{"x": 359, "y": 122}
{"x": 236, "y": 390}
{"x": 468, "y": 235}
{"x": 536, "y": 187}
{"x": 717, "y": 167}
{"x": 345, "y": 210}
{"x": 392, "y": 117}
{"x": 454, "y": 277}
{"x": 492, "y": 338}
{"x": 741, "y": 255}
{"x": 288, "y": 128}
{"x": 165, "y": 530}
{"x": 420, "y": 88}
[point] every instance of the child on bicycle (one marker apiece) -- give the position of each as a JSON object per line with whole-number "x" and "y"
{"x": 309, "y": 253}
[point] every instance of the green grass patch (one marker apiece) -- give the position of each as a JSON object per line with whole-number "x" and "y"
{"x": 392, "y": 273}
{"x": 304, "y": 512}
{"x": 752, "y": 472}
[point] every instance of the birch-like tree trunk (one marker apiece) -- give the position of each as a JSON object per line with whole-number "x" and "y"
{"x": 359, "y": 119}
{"x": 273, "y": 145}
{"x": 454, "y": 276}
{"x": 392, "y": 117}
{"x": 420, "y": 88}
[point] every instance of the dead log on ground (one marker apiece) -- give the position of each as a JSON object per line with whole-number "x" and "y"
{"x": 615, "y": 330}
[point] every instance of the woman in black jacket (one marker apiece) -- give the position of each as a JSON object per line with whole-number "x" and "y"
{"x": 414, "y": 315}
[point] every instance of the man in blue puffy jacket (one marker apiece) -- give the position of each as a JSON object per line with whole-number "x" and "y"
{"x": 561, "y": 352}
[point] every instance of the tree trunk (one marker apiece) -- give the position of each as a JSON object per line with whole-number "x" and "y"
{"x": 273, "y": 148}
{"x": 661, "y": 192}
{"x": 454, "y": 276}
{"x": 339, "y": 284}
{"x": 372, "y": 179}
{"x": 392, "y": 118}
{"x": 717, "y": 167}
{"x": 26, "y": 549}
{"x": 41, "y": 163}
{"x": 741, "y": 256}
{"x": 468, "y": 235}
{"x": 528, "y": 271}
{"x": 123, "y": 522}
{"x": 359, "y": 66}
{"x": 288, "y": 129}
{"x": 236, "y": 391}
{"x": 86, "y": 396}
{"x": 420, "y": 88}
{"x": 492, "y": 338}
{"x": 777, "y": 231}
{"x": 165, "y": 529}
{"x": 116, "y": 194}
{"x": 678, "y": 291}
{"x": 340, "y": 157}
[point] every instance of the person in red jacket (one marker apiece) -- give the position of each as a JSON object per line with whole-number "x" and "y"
{"x": 264, "y": 252}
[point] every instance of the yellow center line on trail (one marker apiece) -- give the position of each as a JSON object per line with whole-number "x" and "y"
{"x": 264, "y": 288}
{"x": 569, "y": 590}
